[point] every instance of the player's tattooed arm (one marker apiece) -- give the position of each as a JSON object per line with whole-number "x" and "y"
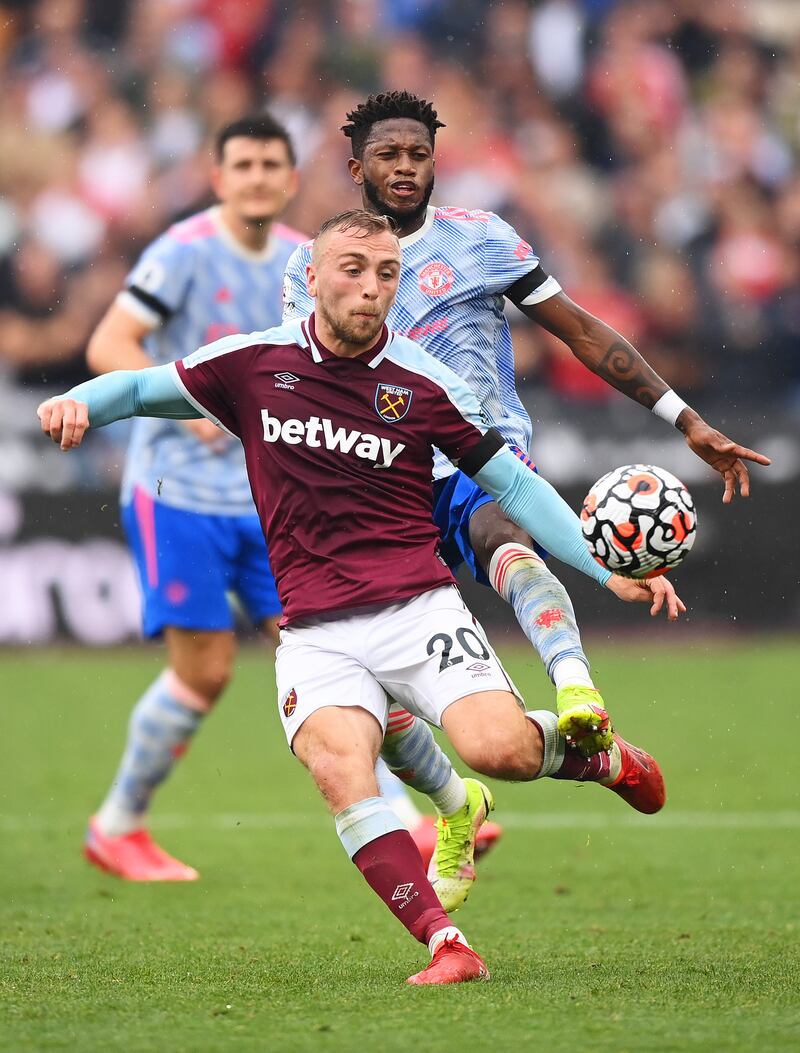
{"x": 611, "y": 357}
{"x": 600, "y": 348}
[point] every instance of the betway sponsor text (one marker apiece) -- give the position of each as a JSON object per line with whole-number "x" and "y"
{"x": 318, "y": 432}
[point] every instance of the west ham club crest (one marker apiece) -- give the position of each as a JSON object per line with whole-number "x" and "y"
{"x": 290, "y": 703}
{"x": 392, "y": 403}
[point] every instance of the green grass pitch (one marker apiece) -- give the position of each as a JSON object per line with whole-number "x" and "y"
{"x": 604, "y": 931}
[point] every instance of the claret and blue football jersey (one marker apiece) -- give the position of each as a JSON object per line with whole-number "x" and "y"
{"x": 339, "y": 456}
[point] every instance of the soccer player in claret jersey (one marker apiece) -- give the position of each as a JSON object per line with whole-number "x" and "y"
{"x": 186, "y": 501}
{"x": 370, "y": 610}
{"x": 458, "y": 267}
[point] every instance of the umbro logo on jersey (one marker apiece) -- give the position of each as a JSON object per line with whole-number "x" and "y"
{"x": 286, "y": 380}
{"x": 392, "y": 403}
{"x": 318, "y": 432}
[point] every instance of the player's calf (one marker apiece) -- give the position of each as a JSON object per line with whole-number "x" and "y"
{"x": 490, "y": 733}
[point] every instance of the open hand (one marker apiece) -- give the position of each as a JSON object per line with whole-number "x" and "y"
{"x": 65, "y": 421}
{"x": 658, "y": 592}
{"x": 724, "y": 456}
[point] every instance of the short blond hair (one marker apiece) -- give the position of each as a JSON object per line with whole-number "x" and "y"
{"x": 360, "y": 220}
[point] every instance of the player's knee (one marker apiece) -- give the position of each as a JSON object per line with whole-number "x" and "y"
{"x": 339, "y": 774}
{"x": 208, "y": 677}
{"x": 213, "y": 680}
{"x": 204, "y": 662}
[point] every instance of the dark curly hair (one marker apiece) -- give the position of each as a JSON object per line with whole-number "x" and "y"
{"x": 254, "y": 126}
{"x": 386, "y": 106}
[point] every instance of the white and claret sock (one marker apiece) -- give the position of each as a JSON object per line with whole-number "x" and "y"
{"x": 162, "y": 723}
{"x": 543, "y": 610}
{"x": 364, "y": 822}
{"x": 412, "y": 753}
{"x": 384, "y": 852}
{"x": 561, "y": 762}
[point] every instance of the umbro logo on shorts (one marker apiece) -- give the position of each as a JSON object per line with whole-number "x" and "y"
{"x": 318, "y": 432}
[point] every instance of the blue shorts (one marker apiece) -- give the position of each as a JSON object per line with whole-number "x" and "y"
{"x": 188, "y": 562}
{"x": 455, "y": 500}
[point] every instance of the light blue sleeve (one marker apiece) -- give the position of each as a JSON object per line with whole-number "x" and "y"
{"x": 538, "y": 508}
{"x": 296, "y": 301}
{"x": 507, "y": 256}
{"x": 164, "y": 272}
{"x": 133, "y": 393}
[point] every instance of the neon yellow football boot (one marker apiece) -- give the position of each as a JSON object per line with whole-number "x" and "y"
{"x": 583, "y": 720}
{"x": 452, "y": 867}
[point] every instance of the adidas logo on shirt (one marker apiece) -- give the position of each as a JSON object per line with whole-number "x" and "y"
{"x": 317, "y": 432}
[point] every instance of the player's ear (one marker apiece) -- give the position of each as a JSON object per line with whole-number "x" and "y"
{"x": 311, "y": 280}
{"x": 292, "y": 186}
{"x": 215, "y": 178}
{"x": 356, "y": 171}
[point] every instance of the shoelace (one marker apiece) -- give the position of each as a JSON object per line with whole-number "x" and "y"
{"x": 448, "y": 846}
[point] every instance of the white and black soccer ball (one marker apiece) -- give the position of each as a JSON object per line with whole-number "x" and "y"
{"x": 639, "y": 521}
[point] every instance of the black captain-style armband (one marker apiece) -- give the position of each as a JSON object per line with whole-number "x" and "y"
{"x": 482, "y": 452}
{"x": 150, "y": 301}
{"x": 527, "y": 284}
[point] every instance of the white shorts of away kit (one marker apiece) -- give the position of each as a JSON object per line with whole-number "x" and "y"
{"x": 425, "y": 653}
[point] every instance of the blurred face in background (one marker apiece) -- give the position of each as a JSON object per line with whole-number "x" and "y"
{"x": 395, "y": 172}
{"x": 255, "y": 179}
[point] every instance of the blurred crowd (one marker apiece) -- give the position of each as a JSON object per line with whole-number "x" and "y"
{"x": 646, "y": 148}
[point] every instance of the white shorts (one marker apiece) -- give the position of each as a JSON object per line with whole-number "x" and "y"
{"x": 424, "y": 653}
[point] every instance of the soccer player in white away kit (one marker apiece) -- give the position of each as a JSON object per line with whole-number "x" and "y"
{"x": 186, "y": 502}
{"x": 458, "y": 268}
{"x": 370, "y": 608}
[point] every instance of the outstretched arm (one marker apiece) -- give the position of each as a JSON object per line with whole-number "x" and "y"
{"x": 540, "y": 510}
{"x": 114, "y": 396}
{"x": 118, "y": 343}
{"x": 610, "y": 356}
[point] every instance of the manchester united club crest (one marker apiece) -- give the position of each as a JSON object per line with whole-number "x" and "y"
{"x": 436, "y": 278}
{"x": 392, "y": 403}
{"x": 290, "y": 703}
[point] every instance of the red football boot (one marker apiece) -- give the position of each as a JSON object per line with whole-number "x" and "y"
{"x": 640, "y": 783}
{"x": 134, "y": 857}
{"x": 424, "y": 836}
{"x": 453, "y": 963}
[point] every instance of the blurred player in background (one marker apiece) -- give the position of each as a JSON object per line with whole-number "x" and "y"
{"x": 186, "y": 503}
{"x": 459, "y": 266}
